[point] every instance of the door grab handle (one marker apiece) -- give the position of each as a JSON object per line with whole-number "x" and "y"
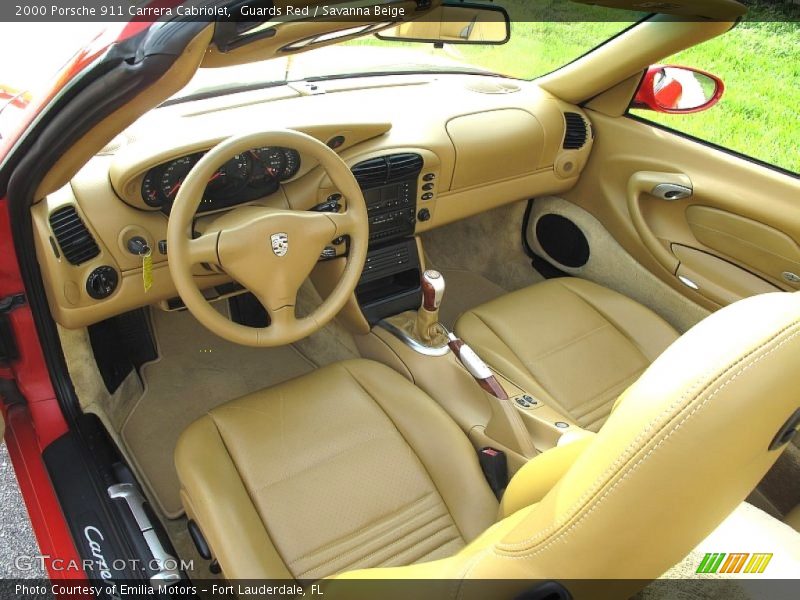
{"x": 646, "y": 183}
{"x": 672, "y": 191}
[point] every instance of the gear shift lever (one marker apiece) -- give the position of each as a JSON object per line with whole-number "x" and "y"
{"x": 428, "y": 315}
{"x": 432, "y": 290}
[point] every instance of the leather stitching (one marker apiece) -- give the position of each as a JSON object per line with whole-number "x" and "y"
{"x": 569, "y": 343}
{"x": 745, "y": 241}
{"x": 499, "y": 338}
{"x": 404, "y": 553}
{"x": 414, "y": 545}
{"x": 424, "y": 557}
{"x": 377, "y": 524}
{"x": 349, "y": 566}
{"x": 633, "y": 447}
{"x": 613, "y": 322}
{"x": 599, "y": 399}
{"x": 631, "y": 450}
{"x": 325, "y": 460}
{"x": 526, "y": 371}
{"x": 619, "y": 326}
{"x": 411, "y": 449}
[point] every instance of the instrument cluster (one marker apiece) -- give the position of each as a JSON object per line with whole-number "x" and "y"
{"x": 246, "y": 177}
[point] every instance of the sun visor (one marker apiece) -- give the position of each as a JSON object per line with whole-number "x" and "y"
{"x": 290, "y": 27}
{"x": 717, "y": 10}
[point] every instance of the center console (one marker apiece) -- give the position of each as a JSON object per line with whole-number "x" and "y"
{"x": 397, "y": 315}
{"x": 494, "y": 411}
{"x": 390, "y": 283}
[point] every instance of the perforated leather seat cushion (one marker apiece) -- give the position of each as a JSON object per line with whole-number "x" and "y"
{"x": 348, "y": 467}
{"x": 575, "y": 344}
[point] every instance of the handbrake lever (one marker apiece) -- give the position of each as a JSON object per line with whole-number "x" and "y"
{"x": 476, "y": 367}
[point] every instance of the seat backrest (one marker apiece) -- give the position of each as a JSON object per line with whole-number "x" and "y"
{"x": 686, "y": 445}
{"x": 688, "y": 442}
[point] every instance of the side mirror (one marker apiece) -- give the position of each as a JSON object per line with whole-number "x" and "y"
{"x": 678, "y": 90}
{"x": 460, "y": 23}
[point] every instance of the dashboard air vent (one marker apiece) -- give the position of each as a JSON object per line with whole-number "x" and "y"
{"x": 577, "y": 131}
{"x": 387, "y": 169}
{"x": 371, "y": 173}
{"x": 404, "y": 165}
{"x": 74, "y": 239}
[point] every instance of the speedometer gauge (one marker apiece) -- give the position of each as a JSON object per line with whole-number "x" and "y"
{"x": 174, "y": 174}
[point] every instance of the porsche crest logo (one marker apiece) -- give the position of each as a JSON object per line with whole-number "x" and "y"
{"x": 280, "y": 244}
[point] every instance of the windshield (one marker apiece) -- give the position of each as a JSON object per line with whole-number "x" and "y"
{"x": 535, "y": 48}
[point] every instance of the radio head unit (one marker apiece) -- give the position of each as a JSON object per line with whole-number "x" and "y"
{"x": 390, "y": 184}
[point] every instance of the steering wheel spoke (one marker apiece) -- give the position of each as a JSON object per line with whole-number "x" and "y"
{"x": 345, "y": 222}
{"x": 283, "y": 317}
{"x": 204, "y": 249}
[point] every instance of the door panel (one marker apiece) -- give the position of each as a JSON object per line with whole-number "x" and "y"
{"x": 732, "y": 230}
{"x": 718, "y": 280}
{"x": 766, "y": 249}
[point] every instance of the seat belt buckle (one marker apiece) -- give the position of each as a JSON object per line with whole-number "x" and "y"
{"x": 495, "y": 469}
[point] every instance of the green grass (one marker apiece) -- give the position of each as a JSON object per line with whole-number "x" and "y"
{"x": 758, "y": 115}
{"x": 758, "y": 61}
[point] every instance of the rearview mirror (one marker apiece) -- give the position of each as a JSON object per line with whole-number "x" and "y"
{"x": 455, "y": 24}
{"x": 678, "y": 90}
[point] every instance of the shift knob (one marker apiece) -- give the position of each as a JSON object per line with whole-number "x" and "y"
{"x": 432, "y": 290}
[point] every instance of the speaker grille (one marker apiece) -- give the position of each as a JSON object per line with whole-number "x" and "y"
{"x": 562, "y": 240}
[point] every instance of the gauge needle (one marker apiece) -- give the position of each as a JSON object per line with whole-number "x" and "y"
{"x": 175, "y": 188}
{"x": 216, "y": 175}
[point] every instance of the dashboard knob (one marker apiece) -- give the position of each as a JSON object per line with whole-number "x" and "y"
{"x": 102, "y": 282}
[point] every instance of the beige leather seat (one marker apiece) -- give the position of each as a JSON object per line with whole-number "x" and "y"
{"x": 353, "y": 467}
{"x": 573, "y": 343}
{"x": 347, "y": 468}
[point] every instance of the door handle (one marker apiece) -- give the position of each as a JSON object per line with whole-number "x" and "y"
{"x": 672, "y": 191}
{"x": 666, "y": 186}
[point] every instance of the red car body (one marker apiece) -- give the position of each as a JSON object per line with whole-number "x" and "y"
{"x": 32, "y": 426}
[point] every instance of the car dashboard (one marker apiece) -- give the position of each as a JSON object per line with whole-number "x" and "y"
{"x": 427, "y": 150}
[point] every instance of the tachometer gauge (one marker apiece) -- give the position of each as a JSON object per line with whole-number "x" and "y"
{"x": 150, "y": 192}
{"x": 174, "y": 174}
{"x": 230, "y": 177}
{"x": 270, "y": 163}
{"x": 291, "y": 164}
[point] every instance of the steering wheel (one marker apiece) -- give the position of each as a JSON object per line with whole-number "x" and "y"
{"x": 271, "y": 252}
